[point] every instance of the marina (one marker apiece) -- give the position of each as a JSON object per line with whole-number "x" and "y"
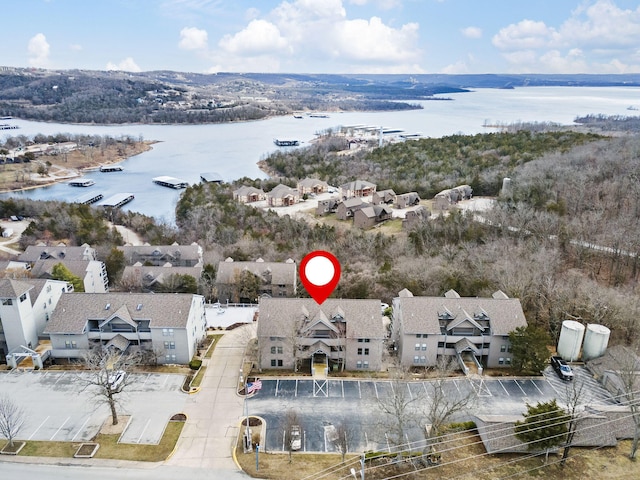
{"x": 171, "y": 182}
{"x": 117, "y": 200}
{"x": 286, "y": 143}
{"x": 84, "y": 182}
{"x": 89, "y": 198}
{"x": 111, "y": 168}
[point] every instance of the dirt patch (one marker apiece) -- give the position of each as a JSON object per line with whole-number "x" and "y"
{"x": 109, "y": 429}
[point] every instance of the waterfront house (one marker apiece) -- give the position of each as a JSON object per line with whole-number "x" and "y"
{"x": 463, "y": 328}
{"x": 346, "y": 208}
{"x": 407, "y": 200}
{"x": 275, "y": 279}
{"x": 159, "y": 255}
{"x": 26, "y": 307}
{"x": 308, "y": 186}
{"x": 371, "y": 215}
{"x": 357, "y": 188}
{"x": 247, "y": 194}
{"x": 341, "y": 334}
{"x": 282, "y": 196}
{"x": 164, "y": 327}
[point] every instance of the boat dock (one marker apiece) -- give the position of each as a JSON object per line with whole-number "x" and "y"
{"x": 83, "y": 182}
{"x": 117, "y": 200}
{"x": 170, "y": 182}
{"x": 6, "y": 126}
{"x": 286, "y": 143}
{"x": 89, "y": 198}
{"x": 110, "y": 168}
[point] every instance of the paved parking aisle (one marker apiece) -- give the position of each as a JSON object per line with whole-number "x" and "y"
{"x": 60, "y": 406}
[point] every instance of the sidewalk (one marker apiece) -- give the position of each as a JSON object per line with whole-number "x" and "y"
{"x": 215, "y": 412}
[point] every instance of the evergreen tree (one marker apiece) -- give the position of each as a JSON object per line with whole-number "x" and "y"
{"x": 544, "y": 426}
{"x": 61, "y": 272}
{"x": 529, "y": 348}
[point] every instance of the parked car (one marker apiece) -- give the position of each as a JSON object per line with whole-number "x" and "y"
{"x": 115, "y": 380}
{"x": 296, "y": 438}
{"x": 562, "y": 368}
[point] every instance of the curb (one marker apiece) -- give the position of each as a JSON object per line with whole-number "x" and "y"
{"x": 175, "y": 447}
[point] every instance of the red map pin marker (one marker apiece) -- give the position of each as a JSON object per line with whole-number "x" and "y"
{"x": 320, "y": 273}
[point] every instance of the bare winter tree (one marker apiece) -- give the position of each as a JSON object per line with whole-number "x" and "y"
{"x": 109, "y": 375}
{"x": 629, "y": 375}
{"x": 444, "y": 402}
{"x": 12, "y": 419}
{"x": 401, "y": 409}
{"x": 341, "y": 435}
{"x": 292, "y": 433}
{"x": 574, "y": 398}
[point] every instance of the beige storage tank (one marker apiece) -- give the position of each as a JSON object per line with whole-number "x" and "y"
{"x": 570, "y": 340}
{"x": 596, "y": 340}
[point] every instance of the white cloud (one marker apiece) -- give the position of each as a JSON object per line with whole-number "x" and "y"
{"x": 456, "y": 68}
{"x": 192, "y": 38}
{"x": 317, "y": 36}
{"x": 74, "y": 47}
{"x": 598, "y": 37}
{"x": 472, "y": 32}
{"x": 126, "y": 65}
{"x": 258, "y": 38}
{"x": 38, "y": 49}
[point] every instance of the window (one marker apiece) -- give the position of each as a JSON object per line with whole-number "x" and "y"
{"x": 359, "y": 351}
{"x": 417, "y": 346}
{"x": 23, "y": 297}
{"x": 363, "y": 351}
{"x": 503, "y": 348}
{"x": 365, "y": 364}
{"x": 273, "y": 362}
{"x": 423, "y": 360}
{"x": 418, "y": 335}
{"x": 501, "y": 361}
{"x": 70, "y": 344}
{"x": 7, "y": 301}
{"x": 358, "y": 364}
{"x": 508, "y": 361}
{"x": 276, "y": 362}
{"x": 169, "y": 358}
{"x": 424, "y": 346}
{"x": 509, "y": 348}
{"x": 167, "y": 332}
{"x": 170, "y": 345}
{"x": 275, "y": 350}
{"x": 440, "y": 344}
{"x": 416, "y": 359}
{"x": 366, "y": 351}
{"x": 364, "y": 340}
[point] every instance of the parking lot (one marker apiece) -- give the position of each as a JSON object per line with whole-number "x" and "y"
{"x": 323, "y": 408}
{"x": 60, "y": 407}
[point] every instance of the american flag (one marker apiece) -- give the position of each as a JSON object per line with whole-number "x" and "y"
{"x": 253, "y": 386}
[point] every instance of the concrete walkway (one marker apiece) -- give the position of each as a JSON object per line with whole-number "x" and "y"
{"x": 215, "y": 412}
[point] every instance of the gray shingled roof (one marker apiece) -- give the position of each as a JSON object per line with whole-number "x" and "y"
{"x": 357, "y": 185}
{"x": 36, "y": 252}
{"x": 44, "y": 268}
{"x": 420, "y": 314}
{"x": 312, "y": 182}
{"x": 182, "y": 252}
{"x": 278, "y": 316}
{"x": 164, "y": 310}
{"x": 10, "y": 288}
{"x": 281, "y": 273}
{"x": 152, "y": 274}
{"x": 281, "y": 191}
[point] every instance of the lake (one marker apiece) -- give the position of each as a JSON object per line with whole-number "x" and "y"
{"x": 233, "y": 150}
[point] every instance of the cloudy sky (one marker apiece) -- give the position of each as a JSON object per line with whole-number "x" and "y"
{"x": 324, "y": 36}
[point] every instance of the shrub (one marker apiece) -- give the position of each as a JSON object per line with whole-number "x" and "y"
{"x": 195, "y": 364}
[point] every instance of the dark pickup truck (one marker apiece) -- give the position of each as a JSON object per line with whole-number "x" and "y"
{"x": 562, "y": 368}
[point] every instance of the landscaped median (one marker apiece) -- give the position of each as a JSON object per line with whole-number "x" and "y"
{"x": 109, "y": 448}
{"x": 192, "y": 382}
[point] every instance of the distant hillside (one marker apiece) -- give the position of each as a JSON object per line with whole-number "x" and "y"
{"x": 80, "y": 96}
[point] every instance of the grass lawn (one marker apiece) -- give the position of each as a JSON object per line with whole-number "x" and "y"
{"x": 468, "y": 462}
{"x": 109, "y": 447}
{"x": 214, "y": 341}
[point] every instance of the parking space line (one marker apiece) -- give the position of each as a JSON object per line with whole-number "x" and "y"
{"x": 534, "y": 384}
{"x": 342, "y": 385}
{"x": 424, "y": 385}
{"x": 60, "y": 428}
{"x": 166, "y": 379}
{"x": 147, "y": 379}
{"x": 503, "y": 387}
{"x": 143, "y": 430}
{"x": 36, "y": 430}
{"x": 359, "y": 390}
{"x": 277, "y": 386}
{"x": 409, "y": 389}
{"x": 376, "y": 389}
{"x": 81, "y": 428}
{"x": 295, "y": 392}
{"x": 554, "y": 388}
{"x": 456, "y": 384}
{"x": 521, "y": 389}
{"x": 60, "y": 378}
